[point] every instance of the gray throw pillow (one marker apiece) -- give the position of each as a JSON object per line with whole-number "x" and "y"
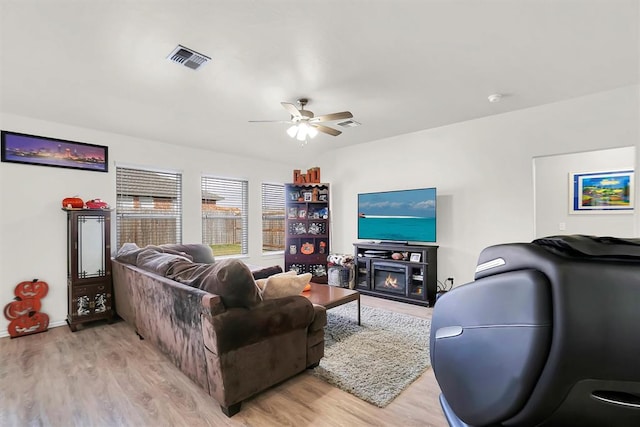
{"x": 156, "y": 261}
{"x": 128, "y": 253}
{"x": 199, "y": 252}
{"x": 232, "y": 280}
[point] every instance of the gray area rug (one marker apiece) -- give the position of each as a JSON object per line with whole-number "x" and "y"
{"x": 377, "y": 360}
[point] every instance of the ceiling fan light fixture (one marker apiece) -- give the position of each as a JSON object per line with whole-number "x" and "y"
{"x": 302, "y": 132}
{"x": 292, "y": 131}
{"x": 312, "y": 132}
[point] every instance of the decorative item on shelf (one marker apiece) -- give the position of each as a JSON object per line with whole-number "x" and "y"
{"x": 318, "y": 269}
{"x": 311, "y": 177}
{"x": 314, "y": 194}
{"x": 397, "y": 256}
{"x": 302, "y": 213}
{"x": 293, "y": 213}
{"x": 307, "y": 195}
{"x": 307, "y": 248}
{"x": 415, "y": 257}
{"x": 323, "y": 213}
{"x": 317, "y": 228}
{"x": 23, "y": 312}
{"x": 97, "y": 204}
{"x": 293, "y": 249}
{"x": 298, "y": 268}
{"x": 297, "y": 228}
{"x": 323, "y": 196}
{"x": 323, "y": 247}
{"x": 294, "y": 196}
{"x": 74, "y": 202}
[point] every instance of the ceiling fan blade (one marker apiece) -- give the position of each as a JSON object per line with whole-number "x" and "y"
{"x": 327, "y": 130}
{"x": 330, "y": 117}
{"x": 291, "y": 109}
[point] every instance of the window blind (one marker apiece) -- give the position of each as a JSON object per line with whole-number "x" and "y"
{"x": 272, "y": 217}
{"x": 148, "y": 207}
{"x": 225, "y": 215}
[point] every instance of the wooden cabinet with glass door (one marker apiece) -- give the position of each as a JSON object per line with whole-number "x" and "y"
{"x": 89, "y": 288}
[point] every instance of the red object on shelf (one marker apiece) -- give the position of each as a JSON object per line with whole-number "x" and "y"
{"x": 23, "y": 311}
{"x": 97, "y": 204}
{"x": 72, "y": 203}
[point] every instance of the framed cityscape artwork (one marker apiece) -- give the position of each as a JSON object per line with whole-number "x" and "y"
{"x": 43, "y": 151}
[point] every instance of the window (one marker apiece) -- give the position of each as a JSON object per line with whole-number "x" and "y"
{"x": 148, "y": 207}
{"x": 272, "y": 217}
{"x": 224, "y": 215}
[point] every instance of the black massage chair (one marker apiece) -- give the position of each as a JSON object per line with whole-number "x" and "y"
{"x": 548, "y": 334}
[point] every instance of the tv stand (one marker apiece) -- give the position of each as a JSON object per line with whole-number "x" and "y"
{"x": 412, "y": 279}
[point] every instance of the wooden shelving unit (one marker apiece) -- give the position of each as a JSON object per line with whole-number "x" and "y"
{"x": 307, "y": 229}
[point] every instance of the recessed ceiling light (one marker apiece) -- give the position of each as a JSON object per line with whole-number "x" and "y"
{"x": 496, "y": 97}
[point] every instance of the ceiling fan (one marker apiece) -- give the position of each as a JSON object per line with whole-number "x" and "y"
{"x": 305, "y": 124}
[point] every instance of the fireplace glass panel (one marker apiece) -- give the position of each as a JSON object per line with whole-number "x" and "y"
{"x": 390, "y": 278}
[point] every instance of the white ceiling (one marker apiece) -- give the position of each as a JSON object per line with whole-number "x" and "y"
{"x": 399, "y": 66}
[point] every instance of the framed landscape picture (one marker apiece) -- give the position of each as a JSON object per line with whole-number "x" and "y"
{"x": 601, "y": 192}
{"x": 43, "y": 151}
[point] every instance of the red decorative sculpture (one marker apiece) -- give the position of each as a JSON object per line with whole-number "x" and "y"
{"x": 23, "y": 311}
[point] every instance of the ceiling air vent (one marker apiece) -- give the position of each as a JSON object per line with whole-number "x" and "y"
{"x": 187, "y": 57}
{"x": 349, "y": 124}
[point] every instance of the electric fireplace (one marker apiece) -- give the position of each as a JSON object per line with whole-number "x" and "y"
{"x": 390, "y": 278}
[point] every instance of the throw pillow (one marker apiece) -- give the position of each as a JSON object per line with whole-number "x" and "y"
{"x": 262, "y": 282}
{"x": 232, "y": 280}
{"x": 153, "y": 259}
{"x": 128, "y": 253}
{"x": 264, "y": 272}
{"x": 197, "y": 251}
{"x": 284, "y": 284}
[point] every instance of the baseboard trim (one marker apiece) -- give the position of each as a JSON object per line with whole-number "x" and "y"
{"x": 5, "y": 332}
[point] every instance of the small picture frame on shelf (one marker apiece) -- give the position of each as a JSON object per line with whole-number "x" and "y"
{"x": 308, "y": 196}
{"x": 322, "y": 197}
{"x": 293, "y": 213}
{"x": 302, "y": 213}
{"x": 294, "y": 196}
{"x": 415, "y": 257}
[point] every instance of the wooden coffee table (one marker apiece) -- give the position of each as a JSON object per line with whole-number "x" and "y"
{"x": 332, "y": 296}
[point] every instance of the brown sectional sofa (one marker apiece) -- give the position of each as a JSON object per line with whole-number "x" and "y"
{"x": 231, "y": 352}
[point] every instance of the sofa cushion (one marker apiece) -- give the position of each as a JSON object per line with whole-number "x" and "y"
{"x": 128, "y": 253}
{"x": 264, "y": 272}
{"x": 198, "y": 251}
{"x": 155, "y": 260}
{"x": 285, "y": 284}
{"x": 233, "y": 281}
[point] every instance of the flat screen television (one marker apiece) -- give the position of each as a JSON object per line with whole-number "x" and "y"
{"x": 402, "y": 215}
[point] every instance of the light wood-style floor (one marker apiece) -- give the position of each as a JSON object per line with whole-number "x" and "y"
{"x": 103, "y": 375}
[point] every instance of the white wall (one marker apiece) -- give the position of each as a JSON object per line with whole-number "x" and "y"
{"x": 481, "y": 168}
{"x": 552, "y": 195}
{"x": 33, "y": 226}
